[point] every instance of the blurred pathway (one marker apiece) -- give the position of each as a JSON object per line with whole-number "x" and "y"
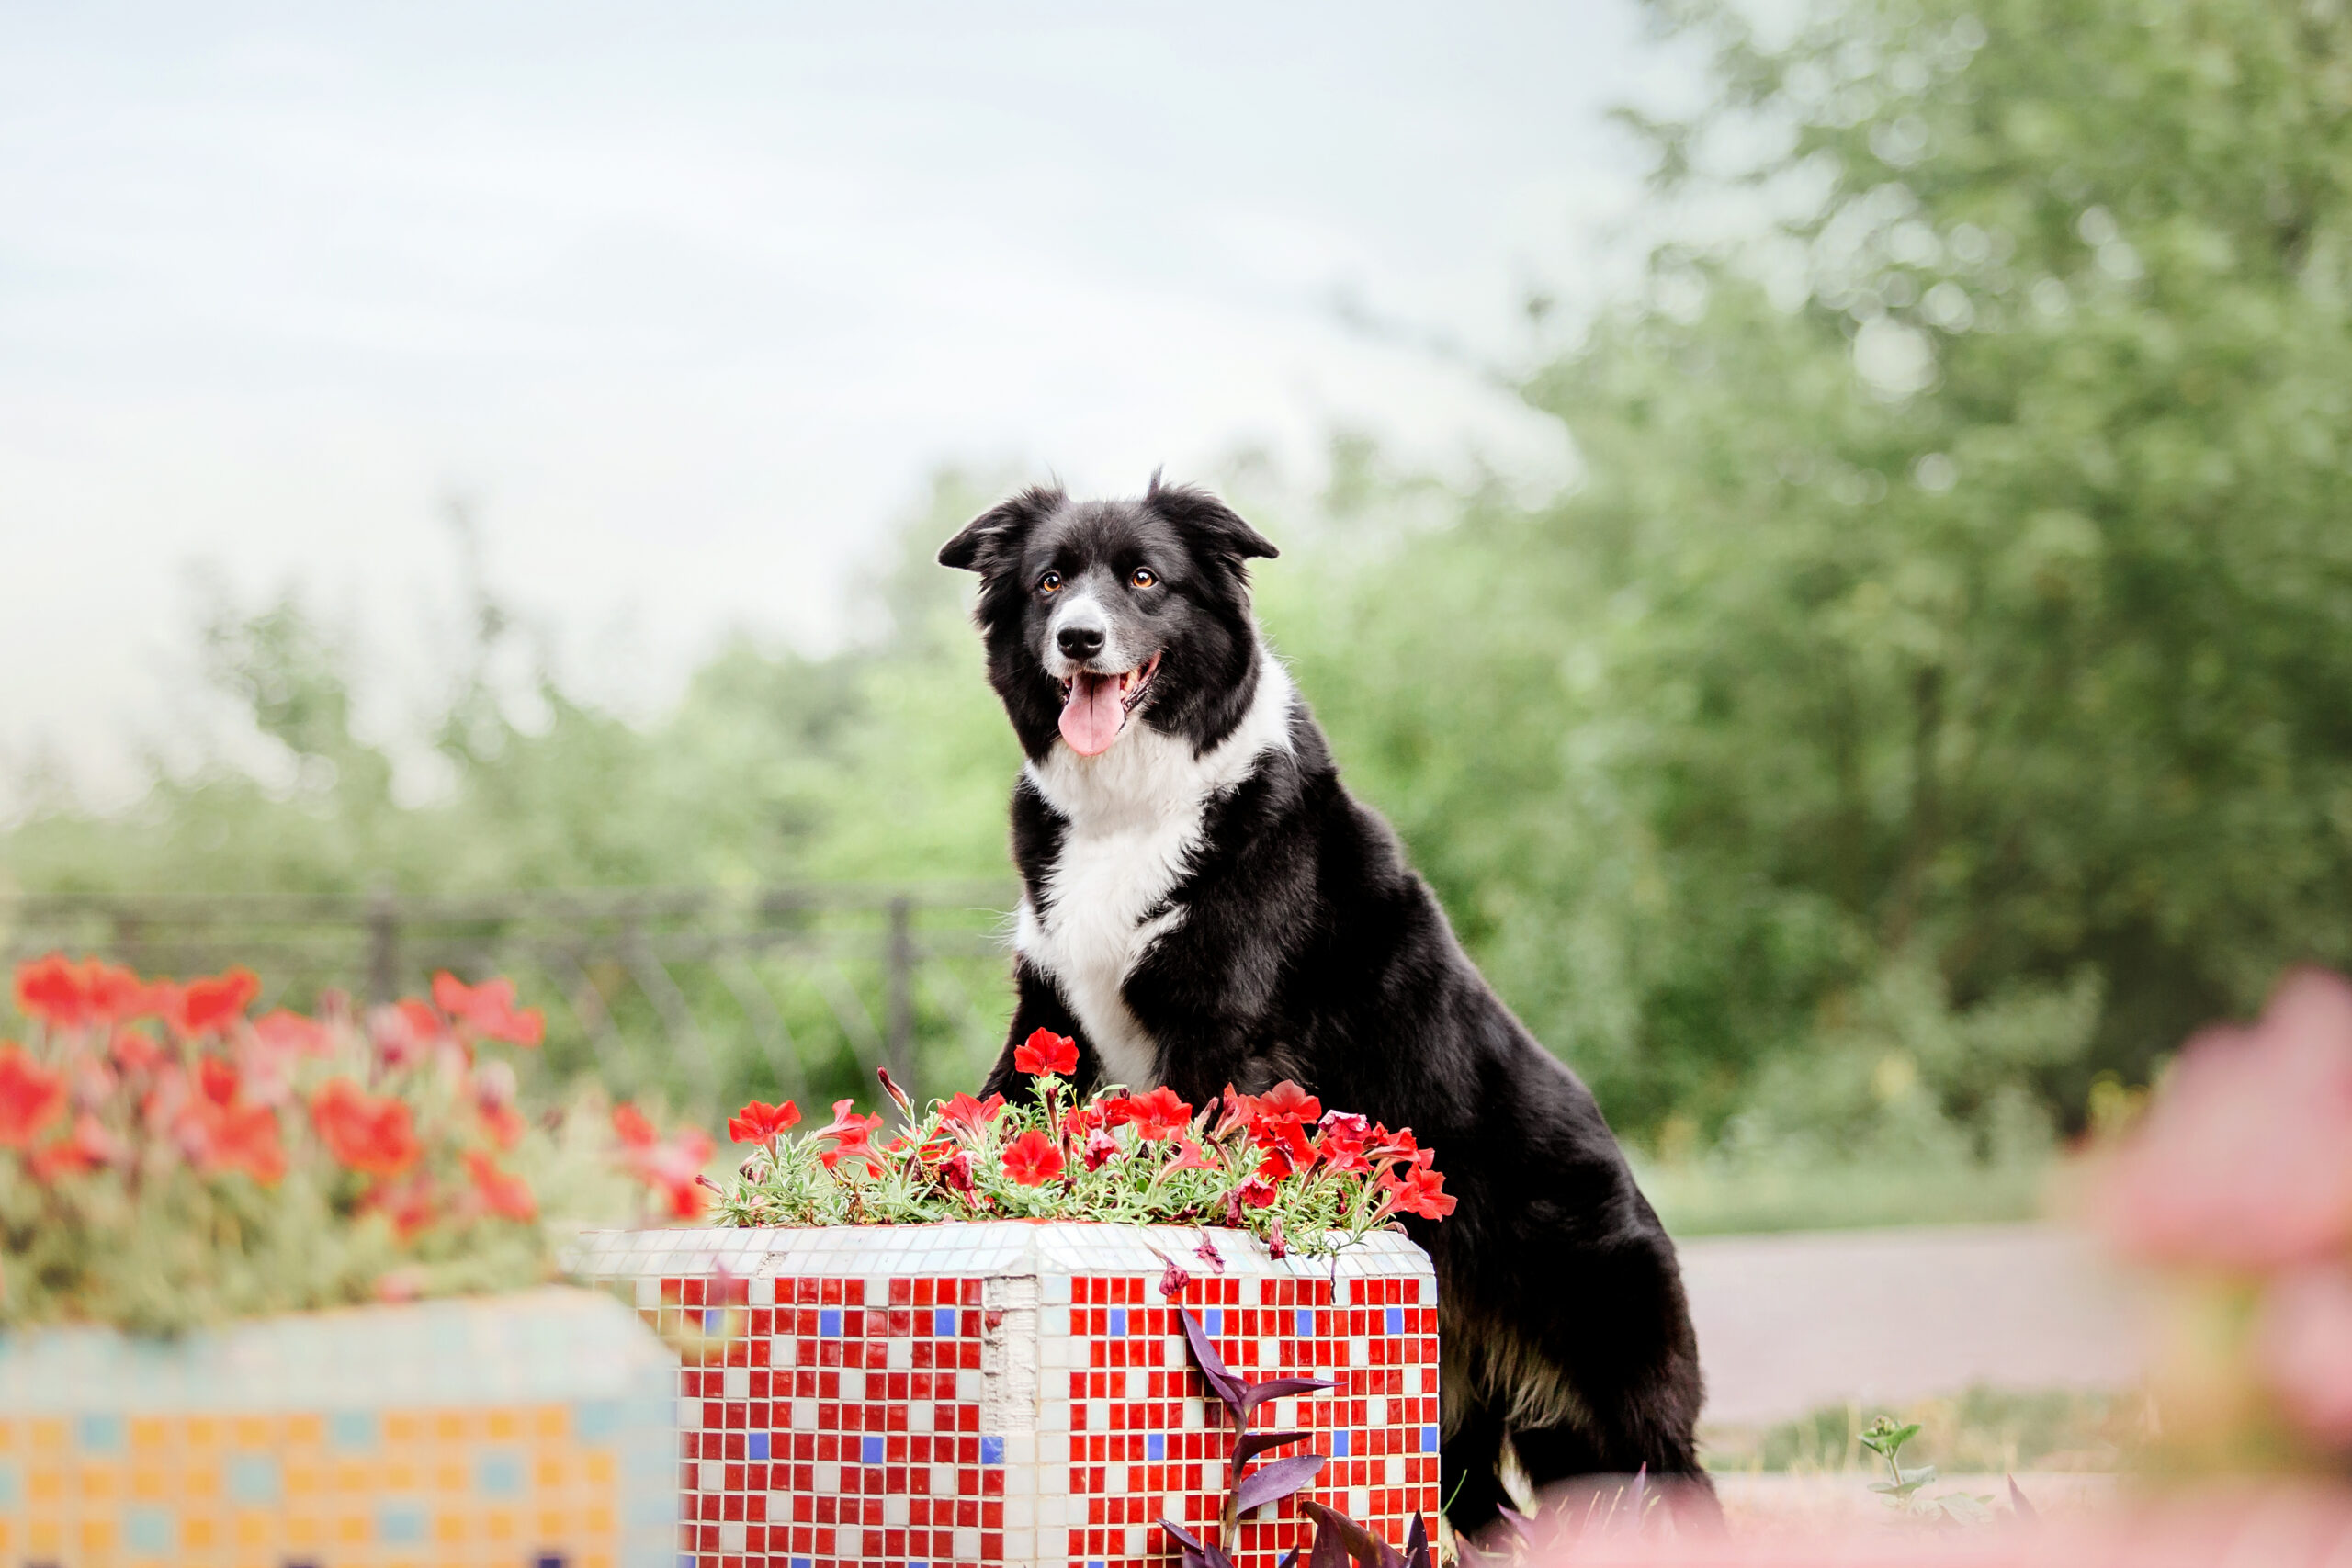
{"x": 1790, "y": 1323}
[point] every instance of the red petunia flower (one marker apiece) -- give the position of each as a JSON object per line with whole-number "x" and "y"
{"x": 1031, "y": 1160}
{"x": 973, "y": 1114}
{"x": 1046, "y": 1055}
{"x": 1340, "y": 1144}
{"x": 1423, "y": 1192}
{"x": 1288, "y": 1100}
{"x": 501, "y": 1192}
{"x": 488, "y": 1010}
{"x": 956, "y": 1172}
{"x": 1255, "y": 1193}
{"x": 1155, "y": 1117}
{"x": 1189, "y": 1156}
{"x": 763, "y": 1124}
{"x": 848, "y": 1132}
{"x": 1100, "y": 1146}
{"x": 374, "y": 1135}
{"x": 30, "y": 1097}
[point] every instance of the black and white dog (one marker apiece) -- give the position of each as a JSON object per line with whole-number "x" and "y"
{"x": 1206, "y": 904}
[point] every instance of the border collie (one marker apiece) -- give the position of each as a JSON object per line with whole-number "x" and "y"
{"x": 1206, "y": 904}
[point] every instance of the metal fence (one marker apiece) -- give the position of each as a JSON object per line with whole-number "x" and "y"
{"x": 700, "y": 995}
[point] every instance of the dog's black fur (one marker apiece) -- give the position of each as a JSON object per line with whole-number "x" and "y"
{"x": 1290, "y": 940}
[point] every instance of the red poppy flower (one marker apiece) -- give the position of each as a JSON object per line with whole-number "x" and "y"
{"x": 291, "y": 1034}
{"x": 635, "y": 1132}
{"x": 673, "y": 1171}
{"x": 759, "y": 1124}
{"x": 245, "y": 1137}
{"x": 848, "y": 1132}
{"x": 1046, "y": 1055}
{"x": 50, "y": 988}
{"x": 88, "y": 1147}
{"x": 488, "y": 1010}
{"x": 1423, "y": 1192}
{"x": 973, "y": 1114}
{"x": 410, "y": 1205}
{"x": 373, "y": 1135}
{"x": 502, "y": 1122}
{"x": 217, "y": 1080}
{"x": 30, "y": 1097}
{"x": 1031, "y": 1160}
{"x": 209, "y": 1004}
{"x": 501, "y": 1192}
{"x": 134, "y": 1052}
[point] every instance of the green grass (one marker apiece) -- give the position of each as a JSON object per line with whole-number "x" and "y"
{"x": 1984, "y": 1431}
{"x": 1708, "y": 1198}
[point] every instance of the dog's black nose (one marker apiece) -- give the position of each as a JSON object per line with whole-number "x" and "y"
{"x": 1081, "y": 642}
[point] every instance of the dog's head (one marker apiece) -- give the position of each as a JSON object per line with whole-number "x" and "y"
{"x": 1099, "y": 615}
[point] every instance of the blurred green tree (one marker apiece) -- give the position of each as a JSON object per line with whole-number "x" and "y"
{"x": 1944, "y": 654}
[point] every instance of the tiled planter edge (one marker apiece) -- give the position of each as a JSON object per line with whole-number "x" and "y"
{"x": 1019, "y": 1392}
{"x": 522, "y": 1430}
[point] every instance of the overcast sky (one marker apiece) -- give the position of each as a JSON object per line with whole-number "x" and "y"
{"x": 689, "y": 299}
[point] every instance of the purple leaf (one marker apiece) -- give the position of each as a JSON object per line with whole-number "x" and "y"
{"x": 1330, "y": 1550}
{"x": 1358, "y": 1542}
{"x": 1256, "y": 1393}
{"x": 1196, "y": 1551}
{"x": 1290, "y": 1558}
{"x": 1273, "y": 1483}
{"x": 1222, "y": 1383}
{"x": 2025, "y": 1510}
{"x": 1416, "y": 1544}
{"x": 1638, "y": 1494}
{"x": 1251, "y": 1444}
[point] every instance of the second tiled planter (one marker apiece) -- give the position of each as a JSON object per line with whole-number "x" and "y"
{"x": 1017, "y": 1393}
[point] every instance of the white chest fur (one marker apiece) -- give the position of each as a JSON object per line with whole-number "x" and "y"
{"x": 1135, "y": 817}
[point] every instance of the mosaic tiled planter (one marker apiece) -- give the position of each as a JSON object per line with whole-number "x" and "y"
{"x": 1017, "y": 1392}
{"x": 521, "y": 1431}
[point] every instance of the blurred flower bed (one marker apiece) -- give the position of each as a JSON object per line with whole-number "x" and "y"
{"x": 1278, "y": 1165}
{"x": 167, "y": 1160}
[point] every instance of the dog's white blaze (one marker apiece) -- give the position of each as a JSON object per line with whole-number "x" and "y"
{"x": 1134, "y": 816}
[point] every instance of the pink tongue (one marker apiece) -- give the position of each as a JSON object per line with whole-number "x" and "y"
{"x": 1091, "y": 717}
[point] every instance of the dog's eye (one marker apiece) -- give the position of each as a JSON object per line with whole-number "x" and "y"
{"x": 1143, "y": 577}
{"x": 1050, "y": 584}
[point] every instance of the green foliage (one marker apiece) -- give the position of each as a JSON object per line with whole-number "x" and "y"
{"x": 1979, "y": 1432}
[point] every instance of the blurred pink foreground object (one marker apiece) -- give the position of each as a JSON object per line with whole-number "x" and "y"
{"x": 2281, "y": 1527}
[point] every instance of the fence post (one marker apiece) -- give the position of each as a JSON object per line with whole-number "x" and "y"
{"x": 899, "y": 961}
{"x": 383, "y": 943}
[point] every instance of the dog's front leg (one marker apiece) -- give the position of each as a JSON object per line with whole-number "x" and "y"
{"x": 1204, "y": 995}
{"x": 1037, "y": 1004}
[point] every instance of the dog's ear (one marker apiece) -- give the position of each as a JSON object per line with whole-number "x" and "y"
{"x": 996, "y": 533}
{"x": 1213, "y": 525}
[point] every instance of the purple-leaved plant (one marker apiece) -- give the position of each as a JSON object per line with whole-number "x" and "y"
{"x": 1336, "y": 1537}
